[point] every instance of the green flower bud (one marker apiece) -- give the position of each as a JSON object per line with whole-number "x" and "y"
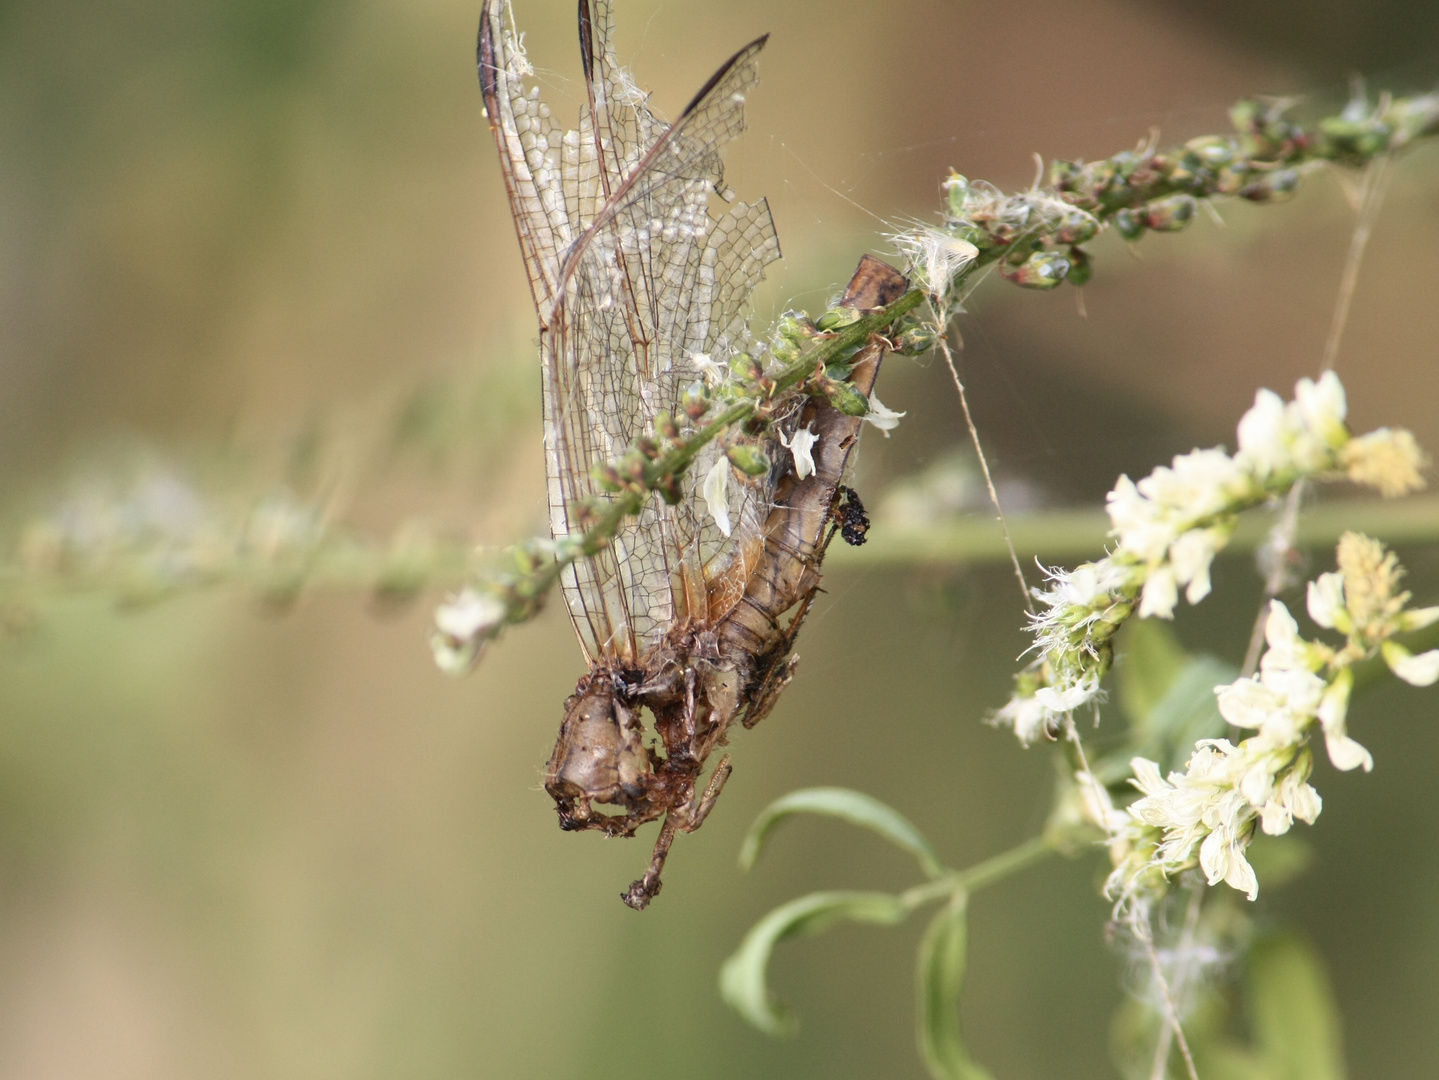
{"x": 915, "y": 340}
{"x": 956, "y": 194}
{"x": 1076, "y": 228}
{"x": 1042, "y": 270}
{"x": 606, "y": 477}
{"x": 792, "y": 326}
{"x": 696, "y": 399}
{"x": 786, "y": 352}
{"x": 750, "y": 460}
{"x": 1214, "y": 151}
{"x": 1125, "y": 163}
{"x": 633, "y": 464}
{"x": 745, "y": 366}
{"x": 836, "y": 318}
{"x": 1170, "y": 214}
{"x": 1128, "y": 224}
{"x": 669, "y": 488}
{"x": 1062, "y": 174}
{"x": 1081, "y": 267}
{"x": 1095, "y": 178}
{"x": 1230, "y": 178}
{"x": 846, "y": 398}
{"x": 1357, "y": 131}
{"x": 1273, "y": 186}
{"x": 665, "y": 426}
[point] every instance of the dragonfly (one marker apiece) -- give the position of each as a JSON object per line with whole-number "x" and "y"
{"x": 690, "y": 613}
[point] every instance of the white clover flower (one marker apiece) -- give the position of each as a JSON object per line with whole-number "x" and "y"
{"x": 884, "y": 419}
{"x": 801, "y": 444}
{"x": 716, "y": 493}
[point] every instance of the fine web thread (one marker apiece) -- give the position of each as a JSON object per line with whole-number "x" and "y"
{"x": 943, "y": 339}
{"x": 1370, "y": 200}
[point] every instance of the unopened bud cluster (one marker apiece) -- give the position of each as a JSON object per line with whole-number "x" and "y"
{"x": 1169, "y": 526}
{"x": 1207, "y": 815}
{"x": 1035, "y": 236}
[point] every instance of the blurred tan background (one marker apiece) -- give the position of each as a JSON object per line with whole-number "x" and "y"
{"x": 240, "y": 845}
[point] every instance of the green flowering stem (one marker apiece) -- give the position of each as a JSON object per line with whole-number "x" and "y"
{"x": 1035, "y": 236}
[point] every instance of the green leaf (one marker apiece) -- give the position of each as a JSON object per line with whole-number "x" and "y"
{"x": 942, "y": 958}
{"x": 742, "y": 978}
{"x": 1152, "y": 657}
{"x": 1292, "y": 1010}
{"x": 853, "y": 806}
{"x": 1189, "y": 711}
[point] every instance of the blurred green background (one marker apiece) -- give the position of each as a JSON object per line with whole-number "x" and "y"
{"x": 235, "y": 844}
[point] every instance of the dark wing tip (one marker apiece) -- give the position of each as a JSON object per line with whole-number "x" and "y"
{"x": 587, "y": 40}
{"x": 485, "y": 54}
{"x": 875, "y": 285}
{"x": 724, "y": 69}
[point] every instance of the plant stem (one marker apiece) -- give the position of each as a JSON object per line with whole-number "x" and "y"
{"x": 980, "y": 874}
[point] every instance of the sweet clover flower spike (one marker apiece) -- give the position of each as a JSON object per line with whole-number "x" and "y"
{"x": 1169, "y": 526}
{"x": 1207, "y": 815}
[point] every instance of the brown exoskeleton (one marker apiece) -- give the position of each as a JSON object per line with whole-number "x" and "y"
{"x": 684, "y": 618}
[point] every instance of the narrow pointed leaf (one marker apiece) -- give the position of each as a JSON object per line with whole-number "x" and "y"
{"x": 742, "y": 978}
{"x": 942, "y": 957}
{"x": 854, "y": 807}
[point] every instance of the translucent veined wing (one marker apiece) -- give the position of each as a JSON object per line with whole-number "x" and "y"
{"x": 632, "y": 279}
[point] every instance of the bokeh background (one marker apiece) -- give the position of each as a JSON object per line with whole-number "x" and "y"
{"x": 242, "y": 843}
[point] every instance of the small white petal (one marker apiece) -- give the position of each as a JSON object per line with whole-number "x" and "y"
{"x": 800, "y": 445}
{"x": 1026, "y": 715}
{"x": 1322, "y": 406}
{"x": 1261, "y": 433}
{"x": 1146, "y": 776}
{"x": 881, "y": 417}
{"x": 1305, "y": 803}
{"x": 1063, "y": 699}
{"x": 1334, "y": 705}
{"x": 1275, "y": 818}
{"x": 1161, "y": 593}
{"x": 716, "y": 493}
{"x": 1241, "y": 875}
{"x": 1421, "y": 670}
{"x": 1417, "y": 618}
{"x": 1346, "y": 754}
{"x": 469, "y": 614}
{"x": 1326, "y": 600}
